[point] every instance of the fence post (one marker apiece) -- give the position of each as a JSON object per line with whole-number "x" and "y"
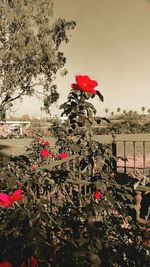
{"x": 134, "y": 156}
{"x": 144, "y": 156}
{"x": 125, "y": 162}
{"x": 114, "y": 153}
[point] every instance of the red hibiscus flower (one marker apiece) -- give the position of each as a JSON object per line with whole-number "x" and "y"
{"x": 97, "y": 195}
{"x": 85, "y": 84}
{"x": 63, "y": 155}
{"x": 47, "y": 143}
{"x": 44, "y": 153}
{"x": 5, "y": 264}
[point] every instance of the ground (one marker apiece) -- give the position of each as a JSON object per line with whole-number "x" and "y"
{"x": 18, "y": 146}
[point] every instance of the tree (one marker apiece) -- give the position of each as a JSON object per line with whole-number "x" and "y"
{"x": 25, "y": 117}
{"x": 124, "y": 111}
{"x": 143, "y": 109}
{"x": 148, "y": 110}
{"x": 112, "y": 113}
{"x": 118, "y": 110}
{"x": 106, "y": 110}
{"x": 30, "y": 51}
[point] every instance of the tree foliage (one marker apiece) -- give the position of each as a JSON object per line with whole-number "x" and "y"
{"x": 30, "y": 55}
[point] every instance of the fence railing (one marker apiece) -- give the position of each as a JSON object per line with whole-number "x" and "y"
{"x": 134, "y": 155}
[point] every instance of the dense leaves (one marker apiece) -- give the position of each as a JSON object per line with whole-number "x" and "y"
{"x": 76, "y": 211}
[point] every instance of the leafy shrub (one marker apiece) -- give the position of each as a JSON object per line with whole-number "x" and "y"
{"x": 58, "y": 221}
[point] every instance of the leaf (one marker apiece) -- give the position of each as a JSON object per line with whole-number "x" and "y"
{"x": 51, "y": 181}
{"x": 98, "y": 244}
{"x": 81, "y": 241}
{"x": 94, "y": 258}
{"x": 123, "y": 158}
{"x": 79, "y": 253}
{"x": 136, "y": 185}
{"x": 105, "y": 119}
{"x": 78, "y": 182}
{"x": 44, "y": 201}
{"x": 75, "y": 148}
{"x": 11, "y": 183}
{"x": 89, "y": 105}
{"x": 111, "y": 199}
{"x": 131, "y": 198}
{"x": 100, "y": 162}
{"x": 100, "y": 95}
{"x": 63, "y": 106}
{"x": 12, "y": 174}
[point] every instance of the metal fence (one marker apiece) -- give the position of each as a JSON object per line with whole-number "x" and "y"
{"x": 132, "y": 155}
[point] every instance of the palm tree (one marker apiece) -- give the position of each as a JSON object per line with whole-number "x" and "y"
{"x": 106, "y": 110}
{"x": 143, "y": 109}
{"x": 124, "y": 111}
{"x": 148, "y": 111}
{"x": 112, "y": 113}
{"x": 118, "y": 110}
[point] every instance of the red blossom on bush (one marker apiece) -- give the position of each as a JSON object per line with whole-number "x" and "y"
{"x": 97, "y": 195}
{"x": 63, "y": 155}
{"x": 5, "y": 264}
{"x": 33, "y": 167}
{"x": 4, "y": 200}
{"x": 52, "y": 155}
{"x": 8, "y": 200}
{"x": 85, "y": 84}
{"x": 39, "y": 140}
{"x": 47, "y": 143}
{"x": 19, "y": 183}
{"x": 33, "y": 262}
{"x": 44, "y": 153}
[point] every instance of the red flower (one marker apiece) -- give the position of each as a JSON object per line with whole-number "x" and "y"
{"x": 63, "y": 155}
{"x": 5, "y": 264}
{"x": 39, "y": 140}
{"x": 33, "y": 167}
{"x": 33, "y": 263}
{"x": 8, "y": 200}
{"x": 44, "y": 153}
{"x": 4, "y": 200}
{"x": 16, "y": 196}
{"x": 97, "y": 195}
{"x": 47, "y": 143}
{"x": 52, "y": 155}
{"x": 19, "y": 183}
{"x": 84, "y": 83}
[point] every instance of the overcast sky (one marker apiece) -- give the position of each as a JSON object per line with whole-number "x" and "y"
{"x": 111, "y": 43}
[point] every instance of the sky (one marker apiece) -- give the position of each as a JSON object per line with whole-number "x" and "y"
{"x": 111, "y": 44}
